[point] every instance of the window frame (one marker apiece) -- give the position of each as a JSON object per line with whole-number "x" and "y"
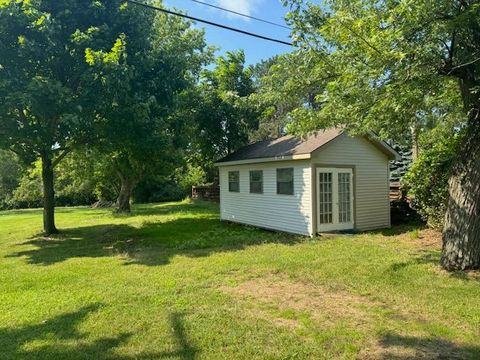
{"x": 237, "y": 172}
{"x": 286, "y": 182}
{"x": 251, "y": 181}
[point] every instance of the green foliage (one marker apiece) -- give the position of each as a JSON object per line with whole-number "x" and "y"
{"x": 282, "y": 89}
{"x": 82, "y": 178}
{"x": 189, "y": 176}
{"x": 379, "y": 65}
{"x": 10, "y": 171}
{"x": 28, "y": 194}
{"x": 427, "y": 180}
{"x": 52, "y": 107}
{"x": 224, "y": 116}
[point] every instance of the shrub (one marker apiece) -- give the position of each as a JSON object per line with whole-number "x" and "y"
{"x": 427, "y": 180}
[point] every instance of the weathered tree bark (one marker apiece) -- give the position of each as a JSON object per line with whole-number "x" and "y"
{"x": 48, "y": 196}
{"x": 461, "y": 233}
{"x": 126, "y": 190}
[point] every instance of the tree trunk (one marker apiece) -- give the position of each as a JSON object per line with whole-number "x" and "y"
{"x": 126, "y": 189}
{"x": 461, "y": 233}
{"x": 415, "y": 150}
{"x": 48, "y": 196}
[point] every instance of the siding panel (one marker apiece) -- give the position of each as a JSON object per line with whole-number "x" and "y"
{"x": 371, "y": 177}
{"x": 290, "y": 213}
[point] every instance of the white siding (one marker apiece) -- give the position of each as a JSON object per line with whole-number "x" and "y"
{"x": 290, "y": 213}
{"x": 371, "y": 178}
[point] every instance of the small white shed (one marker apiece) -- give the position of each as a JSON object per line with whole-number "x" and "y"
{"x": 329, "y": 181}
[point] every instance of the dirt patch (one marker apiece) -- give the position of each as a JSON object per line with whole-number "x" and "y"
{"x": 321, "y": 303}
{"x": 425, "y": 238}
{"x": 396, "y": 346}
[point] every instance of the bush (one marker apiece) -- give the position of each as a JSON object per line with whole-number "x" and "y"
{"x": 427, "y": 180}
{"x": 72, "y": 187}
{"x": 10, "y": 171}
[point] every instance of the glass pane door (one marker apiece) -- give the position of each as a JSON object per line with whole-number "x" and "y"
{"x": 335, "y": 199}
{"x": 325, "y": 186}
{"x": 344, "y": 198}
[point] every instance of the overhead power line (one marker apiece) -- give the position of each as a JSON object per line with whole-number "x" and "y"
{"x": 170, "y": 12}
{"x": 241, "y": 14}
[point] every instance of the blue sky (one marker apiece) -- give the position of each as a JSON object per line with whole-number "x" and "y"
{"x": 255, "y": 49}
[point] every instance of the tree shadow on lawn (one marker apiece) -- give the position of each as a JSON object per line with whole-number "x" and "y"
{"x": 203, "y": 207}
{"x": 432, "y": 257}
{"x": 151, "y": 244}
{"x": 401, "y": 229}
{"x": 423, "y": 257}
{"x": 59, "y": 338}
{"x": 399, "y": 347}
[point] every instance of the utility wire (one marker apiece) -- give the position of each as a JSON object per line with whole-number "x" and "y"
{"x": 241, "y": 14}
{"x": 209, "y": 22}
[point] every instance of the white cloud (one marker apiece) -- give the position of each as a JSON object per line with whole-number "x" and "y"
{"x": 247, "y": 7}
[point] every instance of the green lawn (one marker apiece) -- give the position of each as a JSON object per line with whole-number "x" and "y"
{"x": 171, "y": 281}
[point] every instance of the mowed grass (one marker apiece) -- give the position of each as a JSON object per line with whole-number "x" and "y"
{"x": 170, "y": 281}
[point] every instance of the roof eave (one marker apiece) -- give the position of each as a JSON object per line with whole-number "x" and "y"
{"x": 387, "y": 149}
{"x": 264, "y": 160}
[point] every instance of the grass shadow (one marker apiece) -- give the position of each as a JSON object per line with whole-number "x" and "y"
{"x": 433, "y": 257}
{"x": 58, "y": 338}
{"x": 153, "y": 243}
{"x": 168, "y": 208}
{"x": 396, "y": 230}
{"x": 185, "y": 349}
{"x": 398, "y": 347}
{"x": 473, "y": 275}
{"x": 425, "y": 257}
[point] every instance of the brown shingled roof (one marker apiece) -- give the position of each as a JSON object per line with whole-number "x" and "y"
{"x": 284, "y": 146}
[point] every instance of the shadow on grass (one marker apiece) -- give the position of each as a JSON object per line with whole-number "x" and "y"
{"x": 169, "y": 208}
{"x": 425, "y": 257}
{"x": 59, "y": 338}
{"x": 151, "y": 244}
{"x": 399, "y": 229}
{"x": 400, "y": 347}
{"x": 433, "y": 258}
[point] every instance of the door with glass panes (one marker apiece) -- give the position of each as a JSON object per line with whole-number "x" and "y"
{"x": 334, "y": 199}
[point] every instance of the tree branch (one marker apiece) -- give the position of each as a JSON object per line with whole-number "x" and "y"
{"x": 361, "y": 38}
{"x": 60, "y": 157}
{"x": 463, "y": 65}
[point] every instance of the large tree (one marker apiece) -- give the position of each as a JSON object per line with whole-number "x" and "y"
{"x": 386, "y": 65}
{"x": 141, "y": 130}
{"x": 49, "y": 90}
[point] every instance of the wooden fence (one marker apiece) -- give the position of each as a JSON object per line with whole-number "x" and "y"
{"x": 206, "y": 192}
{"x": 395, "y": 192}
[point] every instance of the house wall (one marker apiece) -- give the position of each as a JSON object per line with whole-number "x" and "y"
{"x": 290, "y": 213}
{"x": 371, "y": 184}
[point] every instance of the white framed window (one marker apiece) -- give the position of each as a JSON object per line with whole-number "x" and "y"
{"x": 285, "y": 181}
{"x": 256, "y": 181}
{"x": 234, "y": 181}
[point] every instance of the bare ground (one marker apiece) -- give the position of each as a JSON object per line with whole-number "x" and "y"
{"x": 328, "y": 307}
